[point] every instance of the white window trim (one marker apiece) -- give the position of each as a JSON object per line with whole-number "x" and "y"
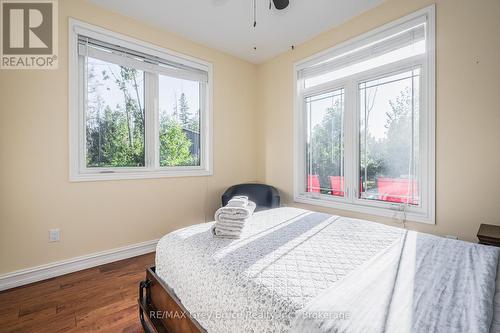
{"x": 423, "y": 214}
{"x": 77, "y": 169}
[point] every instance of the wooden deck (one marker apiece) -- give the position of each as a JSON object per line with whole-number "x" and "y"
{"x": 100, "y": 299}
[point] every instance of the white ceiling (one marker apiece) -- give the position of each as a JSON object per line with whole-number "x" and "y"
{"x": 227, "y": 24}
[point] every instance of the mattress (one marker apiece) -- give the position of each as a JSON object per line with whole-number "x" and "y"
{"x": 285, "y": 258}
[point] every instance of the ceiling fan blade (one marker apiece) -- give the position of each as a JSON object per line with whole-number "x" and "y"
{"x": 281, "y": 4}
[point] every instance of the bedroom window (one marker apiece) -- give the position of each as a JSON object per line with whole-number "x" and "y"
{"x": 136, "y": 110}
{"x": 364, "y": 134}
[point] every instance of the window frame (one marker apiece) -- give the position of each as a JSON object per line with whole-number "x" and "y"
{"x": 78, "y": 171}
{"x": 425, "y": 212}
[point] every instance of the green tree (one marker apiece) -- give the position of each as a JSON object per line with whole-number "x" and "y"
{"x": 400, "y": 124}
{"x": 174, "y": 144}
{"x": 389, "y": 156}
{"x": 183, "y": 109}
{"x": 194, "y": 122}
{"x": 371, "y": 149}
{"x": 326, "y": 148}
{"x": 115, "y": 138}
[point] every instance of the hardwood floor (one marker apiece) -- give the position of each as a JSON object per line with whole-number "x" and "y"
{"x": 99, "y": 299}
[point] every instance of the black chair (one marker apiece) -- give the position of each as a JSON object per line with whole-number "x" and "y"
{"x": 264, "y": 196}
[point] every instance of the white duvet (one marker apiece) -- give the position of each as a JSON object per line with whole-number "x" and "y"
{"x": 421, "y": 283}
{"x": 287, "y": 260}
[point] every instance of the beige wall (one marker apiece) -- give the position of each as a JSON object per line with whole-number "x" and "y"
{"x": 35, "y": 193}
{"x": 468, "y": 112}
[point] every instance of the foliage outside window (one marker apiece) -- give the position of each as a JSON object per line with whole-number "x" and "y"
{"x": 114, "y": 115}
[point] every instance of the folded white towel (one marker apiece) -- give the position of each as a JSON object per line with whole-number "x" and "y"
{"x": 224, "y": 228}
{"x": 228, "y": 231}
{"x": 236, "y": 212}
{"x": 230, "y": 221}
{"x": 238, "y": 201}
{"x": 231, "y": 218}
{"x": 237, "y": 225}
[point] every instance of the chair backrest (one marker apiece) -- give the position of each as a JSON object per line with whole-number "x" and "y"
{"x": 264, "y": 196}
{"x": 313, "y": 184}
{"x": 337, "y": 185}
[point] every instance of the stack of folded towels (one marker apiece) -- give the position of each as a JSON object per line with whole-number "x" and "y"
{"x": 230, "y": 219}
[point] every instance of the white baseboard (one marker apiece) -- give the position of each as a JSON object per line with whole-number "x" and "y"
{"x": 39, "y": 273}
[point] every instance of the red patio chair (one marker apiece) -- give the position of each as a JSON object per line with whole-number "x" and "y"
{"x": 313, "y": 184}
{"x": 397, "y": 190}
{"x": 337, "y": 185}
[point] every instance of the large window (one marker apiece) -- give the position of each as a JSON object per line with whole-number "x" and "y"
{"x": 136, "y": 111}
{"x": 365, "y": 122}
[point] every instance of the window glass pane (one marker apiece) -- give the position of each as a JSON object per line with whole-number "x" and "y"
{"x": 179, "y": 111}
{"x": 325, "y": 143}
{"x": 389, "y": 138}
{"x": 114, "y": 116}
{"x": 384, "y": 59}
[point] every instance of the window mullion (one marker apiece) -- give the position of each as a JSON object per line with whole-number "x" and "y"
{"x": 302, "y": 144}
{"x": 203, "y": 125}
{"x": 156, "y": 121}
{"x": 151, "y": 111}
{"x": 82, "y": 106}
{"x": 350, "y": 140}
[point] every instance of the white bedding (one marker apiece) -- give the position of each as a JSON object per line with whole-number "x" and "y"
{"x": 286, "y": 259}
{"x": 422, "y": 283}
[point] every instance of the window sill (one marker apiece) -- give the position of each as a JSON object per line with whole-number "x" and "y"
{"x": 366, "y": 209}
{"x": 91, "y": 177}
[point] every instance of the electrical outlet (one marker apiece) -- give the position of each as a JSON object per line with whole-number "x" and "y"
{"x": 54, "y": 235}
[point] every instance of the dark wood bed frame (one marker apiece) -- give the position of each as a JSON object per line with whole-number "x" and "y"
{"x": 160, "y": 311}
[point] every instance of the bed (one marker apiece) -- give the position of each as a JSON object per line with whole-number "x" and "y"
{"x": 295, "y": 270}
